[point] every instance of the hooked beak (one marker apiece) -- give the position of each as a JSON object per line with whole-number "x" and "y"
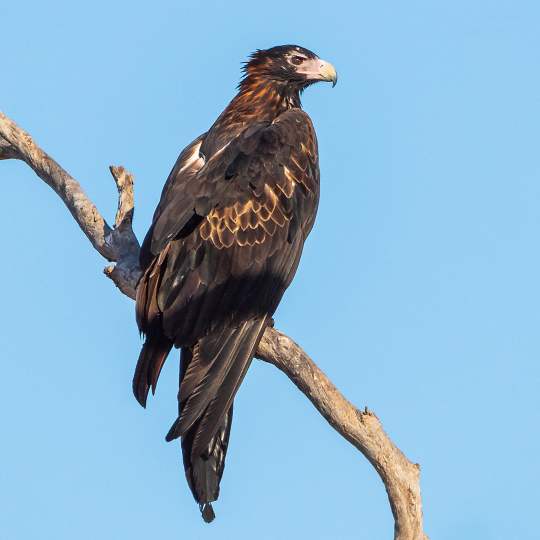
{"x": 328, "y": 72}
{"x": 319, "y": 70}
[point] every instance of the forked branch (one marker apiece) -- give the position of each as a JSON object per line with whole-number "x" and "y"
{"x": 119, "y": 245}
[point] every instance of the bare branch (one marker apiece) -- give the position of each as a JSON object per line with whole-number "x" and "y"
{"x": 126, "y": 272}
{"x": 69, "y": 190}
{"x": 124, "y": 184}
{"x": 362, "y": 429}
{"x": 119, "y": 244}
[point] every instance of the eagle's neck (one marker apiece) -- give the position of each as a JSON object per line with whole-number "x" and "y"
{"x": 258, "y": 100}
{"x": 265, "y": 98}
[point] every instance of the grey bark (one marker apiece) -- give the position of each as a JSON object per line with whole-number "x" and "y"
{"x": 119, "y": 245}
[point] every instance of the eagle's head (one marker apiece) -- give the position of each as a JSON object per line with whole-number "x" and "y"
{"x": 289, "y": 65}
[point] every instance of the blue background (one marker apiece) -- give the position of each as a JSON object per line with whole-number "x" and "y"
{"x": 417, "y": 294}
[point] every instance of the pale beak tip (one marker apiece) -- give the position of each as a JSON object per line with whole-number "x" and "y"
{"x": 328, "y": 72}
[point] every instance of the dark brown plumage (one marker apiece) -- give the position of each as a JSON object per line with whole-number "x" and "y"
{"x": 224, "y": 245}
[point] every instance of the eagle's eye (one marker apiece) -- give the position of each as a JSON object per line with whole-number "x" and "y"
{"x": 297, "y": 60}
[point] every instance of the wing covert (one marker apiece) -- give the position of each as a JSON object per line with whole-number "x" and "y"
{"x": 273, "y": 174}
{"x": 174, "y": 209}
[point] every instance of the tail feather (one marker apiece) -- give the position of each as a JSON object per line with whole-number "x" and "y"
{"x": 215, "y": 372}
{"x": 204, "y": 472}
{"x": 212, "y": 358}
{"x": 151, "y": 359}
{"x": 223, "y": 401}
{"x": 205, "y": 423}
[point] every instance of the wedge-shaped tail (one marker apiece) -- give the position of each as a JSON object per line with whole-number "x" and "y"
{"x": 210, "y": 375}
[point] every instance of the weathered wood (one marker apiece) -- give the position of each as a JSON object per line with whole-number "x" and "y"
{"x": 362, "y": 429}
{"x": 118, "y": 244}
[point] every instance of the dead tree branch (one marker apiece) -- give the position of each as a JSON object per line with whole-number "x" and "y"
{"x": 362, "y": 429}
{"x": 119, "y": 245}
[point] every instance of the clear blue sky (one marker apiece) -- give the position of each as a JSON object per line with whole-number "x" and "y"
{"x": 418, "y": 292}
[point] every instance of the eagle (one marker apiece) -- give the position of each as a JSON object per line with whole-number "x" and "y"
{"x": 224, "y": 245}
